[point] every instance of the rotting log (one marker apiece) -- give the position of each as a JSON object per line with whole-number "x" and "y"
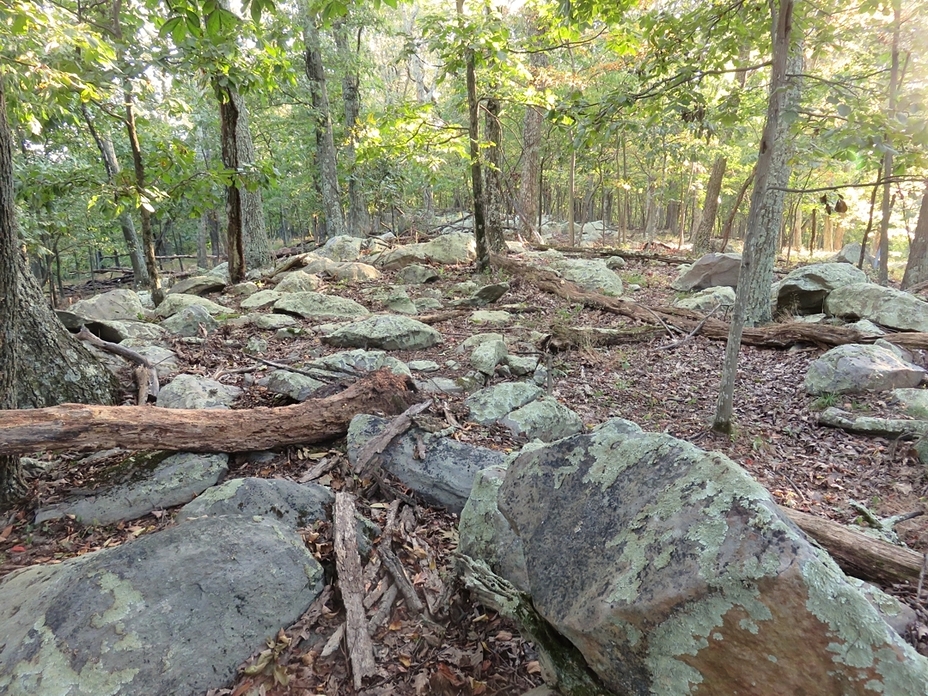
{"x": 777, "y": 335}
{"x": 82, "y": 426}
{"x": 875, "y": 427}
{"x": 857, "y": 554}
{"x": 564, "y": 338}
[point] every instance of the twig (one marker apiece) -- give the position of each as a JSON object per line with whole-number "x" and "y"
{"x": 318, "y": 373}
{"x": 383, "y": 611}
{"x": 395, "y": 568}
{"x": 921, "y": 578}
{"x": 689, "y": 336}
{"x": 377, "y": 444}
{"x": 151, "y": 374}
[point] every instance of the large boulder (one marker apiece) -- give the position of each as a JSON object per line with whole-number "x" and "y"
{"x": 197, "y": 285}
{"x": 451, "y": 248}
{"x": 712, "y": 270}
{"x": 804, "y": 289}
{"x": 885, "y": 306}
{"x": 173, "y": 612}
{"x": 708, "y": 299}
{"x": 546, "y": 419}
{"x": 386, "y": 333}
{"x": 117, "y": 331}
{"x": 115, "y": 305}
{"x": 191, "y": 321}
{"x": 318, "y": 307}
{"x": 850, "y": 253}
{"x": 177, "y": 302}
{"x": 341, "y": 248}
{"x": 489, "y": 405}
{"x": 193, "y": 391}
{"x": 298, "y": 281}
{"x": 593, "y": 275}
{"x": 673, "y": 572}
{"x": 852, "y": 369}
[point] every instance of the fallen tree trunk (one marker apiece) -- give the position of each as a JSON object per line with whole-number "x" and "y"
{"x": 875, "y": 427}
{"x": 778, "y": 335}
{"x": 857, "y": 554}
{"x": 81, "y": 426}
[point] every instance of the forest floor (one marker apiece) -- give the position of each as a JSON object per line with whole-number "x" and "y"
{"x": 673, "y": 390}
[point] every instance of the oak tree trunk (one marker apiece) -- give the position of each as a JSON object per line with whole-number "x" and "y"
{"x": 358, "y": 220}
{"x": 916, "y": 269}
{"x": 710, "y": 207}
{"x": 493, "y": 178}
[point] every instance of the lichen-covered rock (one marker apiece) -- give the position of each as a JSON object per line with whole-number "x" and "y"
{"x": 593, "y": 275}
{"x": 804, "y": 289}
{"x": 118, "y": 331}
{"x": 850, "y": 253}
{"x": 190, "y": 321}
{"x": 885, "y": 306}
{"x": 487, "y": 294}
{"x": 495, "y": 317}
{"x": 261, "y": 298}
{"x": 386, "y": 333}
{"x": 175, "y": 303}
{"x": 174, "y": 612}
{"x": 674, "y": 573}
{"x": 197, "y": 285}
{"x": 298, "y": 387}
{"x": 354, "y": 271}
{"x": 115, "y": 305}
{"x": 708, "y": 299}
{"x": 359, "y": 361}
{"x": 193, "y": 391}
{"x": 489, "y": 405}
{"x": 444, "y": 476}
{"x": 318, "y": 307}
{"x": 417, "y": 274}
{"x": 914, "y": 401}
{"x": 852, "y": 368}
{"x": 279, "y": 500}
{"x": 487, "y": 355}
{"x": 451, "y": 248}
{"x": 298, "y": 281}
{"x": 709, "y": 271}
{"x": 272, "y": 322}
{"x": 395, "y": 299}
{"x": 156, "y": 482}
{"x": 341, "y": 248}
{"x": 546, "y": 419}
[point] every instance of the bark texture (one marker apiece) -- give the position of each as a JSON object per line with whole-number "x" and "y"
{"x": 710, "y": 207}
{"x": 476, "y": 175}
{"x": 916, "y": 269}
{"x": 357, "y": 219}
{"x": 493, "y": 174}
{"x": 75, "y": 426}
{"x": 530, "y": 179}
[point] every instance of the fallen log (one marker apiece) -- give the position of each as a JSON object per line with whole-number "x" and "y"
{"x": 857, "y": 554}
{"x": 875, "y": 427}
{"x": 81, "y": 426}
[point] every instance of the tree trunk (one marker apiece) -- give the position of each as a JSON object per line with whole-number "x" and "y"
{"x": 148, "y": 244}
{"x": 887, "y": 207}
{"x": 730, "y": 220}
{"x": 710, "y": 207}
{"x": 358, "y": 220}
{"x": 530, "y": 180}
{"x": 916, "y": 269}
{"x": 763, "y": 239}
{"x": 493, "y": 178}
{"x": 782, "y": 24}
{"x": 73, "y": 426}
{"x": 327, "y": 169}
{"x": 11, "y": 482}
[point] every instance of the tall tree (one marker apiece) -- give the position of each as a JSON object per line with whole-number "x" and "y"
{"x": 916, "y": 269}
{"x": 357, "y": 220}
{"x": 529, "y": 202}
{"x": 493, "y": 174}
{"x": 887, "y": 207}
{"x": 710, "y": 208}
{"x": 782, "y": 31}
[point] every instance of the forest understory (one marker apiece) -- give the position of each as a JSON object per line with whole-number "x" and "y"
{"x": 663, "y": 384}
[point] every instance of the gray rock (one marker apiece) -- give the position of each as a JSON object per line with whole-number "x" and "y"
{"x": 804, "y": 289}
{"x": 708, "y": 299}
{"x": 474, "y": 340}
{"x": 852, "y": 369}
{"x": 485, "y": 534}
{"x": 190, "y": 391}
{"x": 175, "y": 303}
{"x": 163, "y": 359}
{"x": 245, "y": 289}
{"x": 314, "y": 263}
{"x": 710, "y": 271}
{"x": 866, "y": 327}
{"x": 341, "y": 248}
{"x": 440, "y": 385}
{"x": 318, "y": 307}
{"x": 614, "y": 262}
{"x": 119, "y": 331}
{"x": 190, "y": 321}
{"x": 256, "y": 345}
{"x": 298, "y": 281}
{"x": 486, "y": 356}
{"x": 592, "y": 275}
{"x": 296, "y": 386}
{"x": 885, "y": 306}
{"x": 359, "y": 361}
{"x": 424, "y": 366}
{"x": 545, "y": 419}
{"x": 521, "y": 365}
{"x": 850, "y": 253}
{"x": 426, "y": 304}
{"x": 914, "y": 402}
{"x": 385, "y": 332}
{"x": 158, "y": 481}
{"x": 416, "y": 274}
{"x": 354, "y": 272}
{"x": 484, "y": 296}
{"x": 272, "y": 322}
{"x": 443, "y": 477}
{"x": 452, "y": 248}
{"x": 262, "y": 298}
{"x": 279, "y": 500}
{"x": 674, "y": 572}
{"x": 197, "y": 285}
{"x": 173, "y": 612}
{"x": 395, "y": 299}
{"x": 494, "y": 317}
{"x": 220, "y": 271}
{"x": 115, "y": 305}
{"x": 467, "y": 287}
{"x": 488, "y": 405}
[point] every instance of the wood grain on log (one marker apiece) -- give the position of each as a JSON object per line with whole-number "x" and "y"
{"x": 80, "y": 426}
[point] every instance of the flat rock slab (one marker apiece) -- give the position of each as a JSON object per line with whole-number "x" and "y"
{"x": 318, "y": 307}
{"x": 488, "y": 405}
{"x": 116, "y": 331}
{"x": 192, "y": 391}
{"x": 279, "y": 500}
{"x": 444, "y": 476}
{"x": 262, "y": 298}
{"x": 673, "y": 572}
{"x": 451, "y": 248}
{"x": 175, "y": 303}
{"x": 885, "y": 306}
{"x": 386, "y": 333}
{"x": 710, "y": 271}
{"x": 190, "y": 321}
{"x": 853, "y": 369}
{"x": 298, "y": 281}
{"x": 708, "y": 299}
{"x": 158, "y": 482}
{"x": 174, "y": 612}
{"x": 115, "y": 305}
{"x": 197, "y": 285}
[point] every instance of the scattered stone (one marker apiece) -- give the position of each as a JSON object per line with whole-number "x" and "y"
{"x": 593, "y": 275}
{"x": 440, "y": 385}
{"x": 191, "y": 321}
{"x": 197, "y": 285}
{"x": 115, "y": 305}
{"x": 468, "y": 287}
{"x": 292, "y": 384}
{"x": 451, "y": 248}
{"x": 354, "y": 362}
{"x": 313, "y": 263}
{"x": 174, "y": 612}
{"x": 191, "y": 391}
{"x": 488, "y": 405}
{"x": 279, "y": 500}
{"x": 850, "y": 253}
{"x": 708, "y": 299}
{"x": 221, "y": 271}
{"x": 158, "y": 481}
{"x": 289, "y": 333}
{"x": 261, "y": 298}
{"x": 477, "y": 339}
{"x": 484, "y": 296}
{"x": 443, "y": 476}
{"x": 385, "y": 332}
{"x": 427, "y": 304}
{"x": 710, "y": 271}
{"x": 614, "y": 262}
{"x": 245, "y": 289}
{"x": 256, "y": 345}
{"x": 888, "y": 307}
{"x": 424, "y": 366}
{"x": 545, "y": 419}
{"x": 495, "y": 317}
{"x": 318, "y": 307}
{"x": 298, "y": 281}
{"x": 354, "y": 272}
{"x": 341, "y": 248}
{"x": 417, "y": 274}
{"x": 175, "y": 303}
{"x": 804, "y": 289}
{"x": 521, "y": 365}
{"x": 164, "y": 360}
{"x": 487, "y": 355}
{"x": 119, "y": 331}
{"x": 395, "y": 299}
{"x": 853, "y": 369}
{"x": 273, "y": 322}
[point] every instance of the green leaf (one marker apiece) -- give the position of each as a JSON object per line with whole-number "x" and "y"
{"x": 843, "y": 110}
{"x": 169, "y": 26}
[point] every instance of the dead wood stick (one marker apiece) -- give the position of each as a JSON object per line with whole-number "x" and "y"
{"x": 348, "y": 566}
{"x": 377, "y": 444}
{"x": 75, "y": 426}
{"x": 395, "y": 568}
{"x": 857, "y": 554}
{"x": 151, "y": 374}
{"x": 383, "y": 611}
{"x": 320, "y": 374}
{"x": 875, "y": 427}
{"x": 689, "y": 336}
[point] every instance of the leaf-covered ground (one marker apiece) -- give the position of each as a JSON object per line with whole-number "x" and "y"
{"x": 462, "y": 648}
